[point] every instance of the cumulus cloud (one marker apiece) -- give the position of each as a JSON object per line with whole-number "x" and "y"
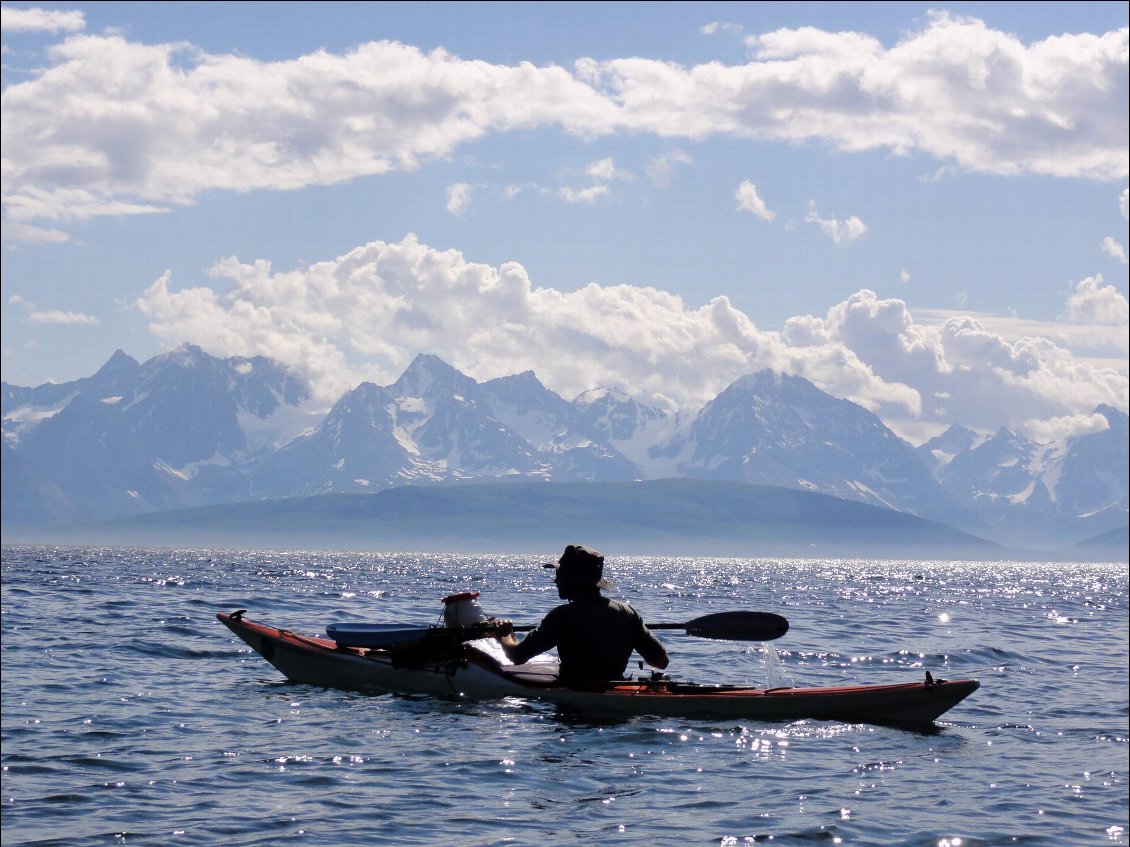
{"x": 904, "y": 276}
{"x": 748, "y": 201}
{"x": 40, "y": 20}
{"x": 842, "y": 232}
{"x": 366, "y": 314}
{"x": 1105, "y": 345}
{"x": 1054, "y": 429}
{"x": 970, "y": 374}
{"x": 1123, "y": 203}
{"x": 1095, "y": 303}
{"x": 1113, "y": 249}
{"x": 142, "y": 126}
{"x": 458, "y": 198}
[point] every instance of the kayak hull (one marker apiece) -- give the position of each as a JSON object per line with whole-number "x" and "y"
{"x": 474, "y": 675}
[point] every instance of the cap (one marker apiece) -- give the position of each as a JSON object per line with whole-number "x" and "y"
{"x": 583, "y": 565}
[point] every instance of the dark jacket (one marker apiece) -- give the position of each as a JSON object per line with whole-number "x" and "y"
{"x": 594, "y": 637}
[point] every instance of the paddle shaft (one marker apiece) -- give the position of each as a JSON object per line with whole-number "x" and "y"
{"x": 529, "y": 627}
{"x": 726, "y": 626}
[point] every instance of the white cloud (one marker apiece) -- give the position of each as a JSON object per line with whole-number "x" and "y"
{"x": 981, "y": 379}
{"x": 1093, "y": 302}
{"x": 1113, "y": 249}
{"x": 715, "y": 27}
{"x": 1054, "y": 429}
{"x": 1123, "y": 203}
{"x": 12, "y": 232}
{"x": 40, "y": 20}
{"x": 662, "y": 168}
{"x": 67, "y": 205}
{"x": 1105, "y": 346}
{"x": 140, "y": 126}
{"x": 582, "y": 195}
{"x": 601, "y": 173}
{"x": 37, "y": 316}
{"x": 842, "y": 232}
{"x": 605, "y": 170}
{"x": 59, "y": 317}
{"x": 458, "y": 198}
{"x": 748, "y": 201}
{"x": 904, "y": 276}
{"x": 366, "y": 314}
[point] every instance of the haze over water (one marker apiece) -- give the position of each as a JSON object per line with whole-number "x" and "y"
{"x": 131, "y": 716}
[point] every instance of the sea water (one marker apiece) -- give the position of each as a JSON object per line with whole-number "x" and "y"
{"x": 131, "y": 716}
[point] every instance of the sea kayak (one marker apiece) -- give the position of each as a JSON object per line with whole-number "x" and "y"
{"x": 477, "y": 670}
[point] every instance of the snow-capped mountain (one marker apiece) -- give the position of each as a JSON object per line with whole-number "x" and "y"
{"x": 771, "y": 429}
{"x": 631, "y": 427}
{"x": 354, "y": 448}
{"x": 940, "y": 450}
{"x": 24, "y": 408}
{"x": 1092, "y": 473}
{"x": 1037, "y": 493}
{"x": 1005, "y": 466}
{"x": 434, "y": 425}
{"x": 186, "y": 428}
{"x": 556, "y": 429}
{"x": 134, "y": 438}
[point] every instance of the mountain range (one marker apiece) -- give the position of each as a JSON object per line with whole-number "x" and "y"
{"x": 186, "y": 429}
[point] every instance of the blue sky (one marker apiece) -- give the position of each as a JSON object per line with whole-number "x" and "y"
{"x": 921, "y": 208}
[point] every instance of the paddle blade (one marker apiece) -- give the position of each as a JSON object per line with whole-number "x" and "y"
{"x": 739, "y": 626}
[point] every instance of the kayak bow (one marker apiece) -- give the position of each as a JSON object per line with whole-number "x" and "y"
{"x": 478, "y": 670}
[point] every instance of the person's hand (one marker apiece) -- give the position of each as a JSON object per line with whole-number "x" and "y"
{"x": 503, "y": 628}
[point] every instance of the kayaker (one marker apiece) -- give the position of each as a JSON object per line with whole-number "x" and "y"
{"x": 594, "y": 636}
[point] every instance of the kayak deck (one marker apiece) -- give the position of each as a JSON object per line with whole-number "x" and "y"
{"x": 468, "y": 672}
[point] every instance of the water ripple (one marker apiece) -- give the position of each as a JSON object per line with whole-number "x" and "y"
{"x": 131, "y": 716}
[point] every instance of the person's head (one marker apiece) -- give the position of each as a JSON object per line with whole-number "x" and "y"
{"x": 580, "y": 571}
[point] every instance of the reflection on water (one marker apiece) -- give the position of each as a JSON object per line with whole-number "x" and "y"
{"x": 131, "y": 716}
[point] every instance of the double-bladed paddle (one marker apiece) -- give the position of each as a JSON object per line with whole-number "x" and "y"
{"x": 723, "y": 626}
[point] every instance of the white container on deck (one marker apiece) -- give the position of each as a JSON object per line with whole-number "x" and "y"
{"x": 463, "y": 610}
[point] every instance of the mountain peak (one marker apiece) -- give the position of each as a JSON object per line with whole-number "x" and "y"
{"x": 774, "y": 383}
{"x": 1110, "y": 413}
{"x": 596, "y": 395}
{"x": 956, "y": 439}
{"x": 118, "y": 364}
{"x": 183, "y": 356}
{"x": 527, "y": 379}
{"x": 427, "y": 372}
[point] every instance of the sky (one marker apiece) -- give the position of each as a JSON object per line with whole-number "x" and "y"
{"x": 921, "y": 208}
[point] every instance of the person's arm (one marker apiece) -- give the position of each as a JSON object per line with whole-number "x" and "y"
{"x": 519, "y": 652}
{"x": 648, "y": 646}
